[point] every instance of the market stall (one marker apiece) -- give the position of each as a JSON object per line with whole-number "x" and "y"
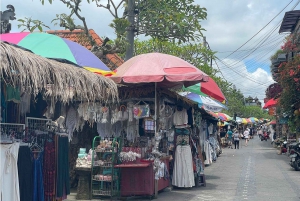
{"x": 31, "y": 88}
{"x": 165, "y": 121}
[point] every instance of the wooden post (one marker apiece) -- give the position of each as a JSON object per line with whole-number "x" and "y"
{"x": 156, "y": 189}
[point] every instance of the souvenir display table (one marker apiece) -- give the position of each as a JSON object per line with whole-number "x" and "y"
{"x": 138, "y": 177}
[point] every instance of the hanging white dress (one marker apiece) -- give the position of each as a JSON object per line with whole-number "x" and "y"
{"x": 208, "y": 153}
{"x": 9, "y": 172}
{"x": 183, "y": 173}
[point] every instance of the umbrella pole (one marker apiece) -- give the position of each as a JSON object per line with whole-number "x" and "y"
{"x": 155, "y": 108}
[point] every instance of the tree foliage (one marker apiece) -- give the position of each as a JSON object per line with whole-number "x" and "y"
{"x": 31, "y": 24}
{"x": 163, "y": 19}
{"x": 192, "y": 53}
{"x": 170, "y": 19}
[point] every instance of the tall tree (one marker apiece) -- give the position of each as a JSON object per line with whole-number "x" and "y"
{"x": 164, "y": 19}
{"x": 192, "y": 53}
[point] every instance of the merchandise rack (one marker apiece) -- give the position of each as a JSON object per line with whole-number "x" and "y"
{"x": 104, "y": 176}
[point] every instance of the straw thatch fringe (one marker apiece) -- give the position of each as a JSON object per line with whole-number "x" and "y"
{"x": 60, "y": 81}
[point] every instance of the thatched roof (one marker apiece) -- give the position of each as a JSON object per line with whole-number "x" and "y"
{"x": 35, "y": 74}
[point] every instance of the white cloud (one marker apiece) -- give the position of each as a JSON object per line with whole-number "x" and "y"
{"x": 250, "y": 84}
{"x": 249, "y": 5}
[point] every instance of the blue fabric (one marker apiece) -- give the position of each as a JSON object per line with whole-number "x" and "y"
{"x": 38, "y": 185}
{"x": 3, "y": 107}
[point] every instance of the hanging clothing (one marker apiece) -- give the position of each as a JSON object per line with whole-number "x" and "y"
{"x": 2, "y": 108}
{"x": 12, "y": 94}
{"x": 117, "y": 129}
{"x": 104, "y": 129}
{"x": 49, "y": 170}
{"x": 25, "y": 173}
{"x": 183, "y": 175}
{"x": 62, "y": 174}
{"x": 210, "y": 128}
{"x": 71, "y": 121}
{"x": 38, "y": 184}
{"x": 9, "y": 172}
{"x": 25, "y": 103}
{"x": 180, "y": 117}
{"x": 214, "y": 144}
{"x": 208, "y": 153}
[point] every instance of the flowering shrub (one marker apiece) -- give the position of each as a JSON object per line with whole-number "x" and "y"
{"x": 289, "y": 78}
{"x": 291, "y": 45}
{"x": 273, "y": 91}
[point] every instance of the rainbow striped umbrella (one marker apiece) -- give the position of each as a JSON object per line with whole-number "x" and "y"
{"x": 244, "y": 121}
{"x": 55, "y": 47}
{"x": 224, "y": 117}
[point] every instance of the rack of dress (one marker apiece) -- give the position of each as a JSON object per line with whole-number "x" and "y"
{"x": 62, "y": 166}
{"x": 9, "y": 188}
{"x": 183, "y": 175}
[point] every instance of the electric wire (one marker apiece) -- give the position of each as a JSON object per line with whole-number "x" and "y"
{"x": 260, "y": 30}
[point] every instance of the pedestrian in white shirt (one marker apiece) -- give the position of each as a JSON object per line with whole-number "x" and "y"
{"x": 246, "y": 136}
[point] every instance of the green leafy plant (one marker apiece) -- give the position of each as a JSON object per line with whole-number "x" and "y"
{"x": 30, "y": 25}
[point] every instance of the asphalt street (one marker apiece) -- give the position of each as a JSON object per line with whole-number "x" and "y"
{"x": 252, "y": 173}
{"x": 255, "y": 172}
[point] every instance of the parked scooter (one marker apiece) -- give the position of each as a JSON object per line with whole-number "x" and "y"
{"x": 265, "y": 136}
{"x": 295, "y": 156}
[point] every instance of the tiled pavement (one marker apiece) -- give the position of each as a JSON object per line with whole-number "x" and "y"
{"x": 252, "y": 173}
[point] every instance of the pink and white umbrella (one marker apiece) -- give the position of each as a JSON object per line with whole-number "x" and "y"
{"x": 165, "y": 70}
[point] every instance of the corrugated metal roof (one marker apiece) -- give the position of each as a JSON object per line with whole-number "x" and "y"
{"x": 289, "y": 21}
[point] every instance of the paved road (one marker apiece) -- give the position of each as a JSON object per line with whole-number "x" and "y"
{"x": 252, "y": 173}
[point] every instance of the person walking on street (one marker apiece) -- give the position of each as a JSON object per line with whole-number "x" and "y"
{"x": 236, "y": 138}
{"x": 246, "y": 136}
{"x": 229, "y": 138}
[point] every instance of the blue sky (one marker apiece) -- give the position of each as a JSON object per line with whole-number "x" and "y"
{"x": 252, "y": 65}
{"x": 229, "y": 24}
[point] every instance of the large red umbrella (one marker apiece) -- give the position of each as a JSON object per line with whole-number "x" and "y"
{"x": 212, "y": 89}
{"x": 163, "y": 69}
{"x": 209, "y": 88}
{"x": 270, "y": 103}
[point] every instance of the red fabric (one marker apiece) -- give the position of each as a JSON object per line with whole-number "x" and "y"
{"x": 212, "y": 89}
{"x": 270, "y": 103}
{"x": 167, "y": 70}
{"x": 49, "y": 170}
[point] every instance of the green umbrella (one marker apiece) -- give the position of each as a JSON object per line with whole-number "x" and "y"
{"x": 195, "y": 89}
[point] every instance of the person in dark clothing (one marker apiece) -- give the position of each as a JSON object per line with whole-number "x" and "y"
{"x": 251, "y": 132}
{"x": 236, "y": 138}
{"x": 222, "y": 133}
{"x": 274, "y": 137}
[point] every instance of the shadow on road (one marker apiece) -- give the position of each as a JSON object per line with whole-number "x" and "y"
{"x": 212, "y": 177}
